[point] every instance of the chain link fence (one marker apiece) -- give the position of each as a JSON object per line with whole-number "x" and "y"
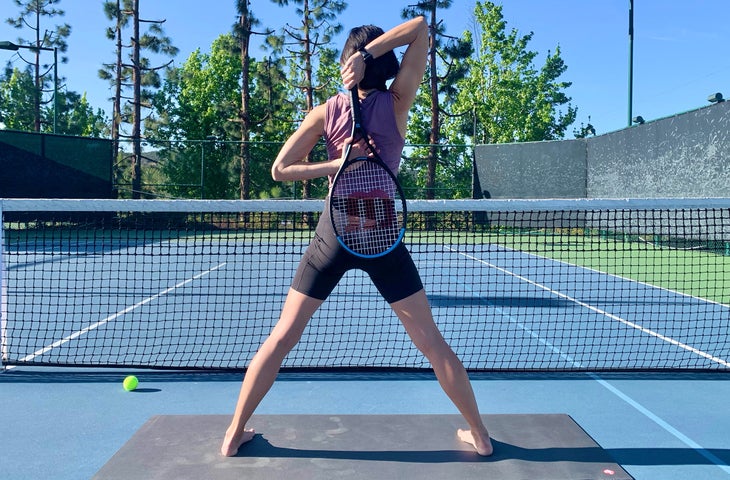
{"x": 216, "y": 169}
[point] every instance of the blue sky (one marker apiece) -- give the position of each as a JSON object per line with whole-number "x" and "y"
{"x": 680, "y": 47}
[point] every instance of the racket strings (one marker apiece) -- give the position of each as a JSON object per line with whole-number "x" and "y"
{"x": 366, "y": 215}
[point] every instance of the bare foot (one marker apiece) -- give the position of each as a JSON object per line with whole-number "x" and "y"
{"x": 482, "y": 444}
{"x": 231, "y": 443}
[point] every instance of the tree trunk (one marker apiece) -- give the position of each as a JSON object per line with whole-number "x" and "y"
{"x": 245, "y": 116}
{"x": 435, "y": 134}
{"x": 137, "y": 107}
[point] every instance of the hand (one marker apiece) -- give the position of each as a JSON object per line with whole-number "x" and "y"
{"x": 359, "y": 149}
{"x": 353, "y": 71}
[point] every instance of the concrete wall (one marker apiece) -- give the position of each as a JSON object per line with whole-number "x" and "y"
{"x": 686, "y": 155}
{"x": 533, "y": 170}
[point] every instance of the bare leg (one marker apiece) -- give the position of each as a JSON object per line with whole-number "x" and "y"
{"x": 415, "y": 314}
{"x": 262, "y": 371}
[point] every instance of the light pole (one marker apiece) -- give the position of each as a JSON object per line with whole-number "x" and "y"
{"x": 5, "y": 45}
{"x": 202, "y": 169}
{"x": 209, "y": 138}
{"x": 631, "y": 59}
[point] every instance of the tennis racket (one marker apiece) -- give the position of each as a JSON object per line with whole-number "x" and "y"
{"x": 367, "y": 205}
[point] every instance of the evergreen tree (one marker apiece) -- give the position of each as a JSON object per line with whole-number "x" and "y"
{"x": 443, "y": 73}
{"x": 301, "y": 48}
{"x": 136, "y": 72}
{"x": 143, "y": 74}
{"x": 114, "y": 72}
{"x": 242, "y": 31}
{"x": 17, "y": 91}
{"x": 32, "y": 14}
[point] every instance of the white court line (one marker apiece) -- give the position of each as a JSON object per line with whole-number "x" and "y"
{"x": 636, "y": 326}
{"x": 114, "y": 316}
{"x": 663, "y": 424}
{"x": 633, "y": 403}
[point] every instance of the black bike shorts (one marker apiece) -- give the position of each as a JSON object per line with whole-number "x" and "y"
{"x": 325, "y": 262}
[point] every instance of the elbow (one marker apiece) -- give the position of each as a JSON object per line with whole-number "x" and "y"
{"x": 276, "y": 173}
{"x": 277, "y": 169}
{"x": 420, "y": 29}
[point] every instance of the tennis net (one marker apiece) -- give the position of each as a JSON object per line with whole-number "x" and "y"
{"x": 513, "y": 284}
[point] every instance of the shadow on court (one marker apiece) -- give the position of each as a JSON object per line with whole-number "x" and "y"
{"x": 74, "y": 375}
{"x": 666, "y": 456}
{"x": 261, "y": 447}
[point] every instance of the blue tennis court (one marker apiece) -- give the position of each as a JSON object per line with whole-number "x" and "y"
{"x": 67, "y": 424}
{"x": 641, "y": 366}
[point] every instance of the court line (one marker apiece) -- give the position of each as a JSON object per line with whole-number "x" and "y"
{"x": 663, "y": 424}
{"x": 614, "y": 390}
{"x": 626, "y": 398}
{"x": 620, "y": 277}
{"x": 631, "y": 324}
{"x": 626, "y": 279}
{"x": 114, "y": 316}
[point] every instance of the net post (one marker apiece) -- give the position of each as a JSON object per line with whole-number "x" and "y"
{"x": 3, "y": 295}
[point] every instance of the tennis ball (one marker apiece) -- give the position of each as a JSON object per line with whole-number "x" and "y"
{"x": 130, "y": 383}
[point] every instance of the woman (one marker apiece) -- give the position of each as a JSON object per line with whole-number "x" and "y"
{"x": 367, "y": 61}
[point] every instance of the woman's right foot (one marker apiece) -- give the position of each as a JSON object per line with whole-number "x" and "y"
{"x": 232, "y": 442}
{"x": 482, "y": 444}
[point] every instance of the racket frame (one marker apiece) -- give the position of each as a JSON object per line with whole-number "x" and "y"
{"x": 359, "y": 130}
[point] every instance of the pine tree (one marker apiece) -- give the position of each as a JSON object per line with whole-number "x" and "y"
{"x": 141, "y": 74}
{"x": 444, "y": 71}
{"x": 301, "y": 49}
{"x": 32, "y": 13}
{"x": 114, "y": 72}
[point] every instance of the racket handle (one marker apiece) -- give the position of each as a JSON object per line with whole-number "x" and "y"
{"x": 355, "y": 109}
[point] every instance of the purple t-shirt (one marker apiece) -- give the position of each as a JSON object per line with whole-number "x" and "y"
{"x": 378, "y": 119}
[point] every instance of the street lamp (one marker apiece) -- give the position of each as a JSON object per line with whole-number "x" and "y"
{"x": 6, "y": 45}
{"x": 715, "y": 98}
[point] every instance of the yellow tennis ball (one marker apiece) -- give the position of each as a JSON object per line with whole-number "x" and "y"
{"x": 130, "y": 383}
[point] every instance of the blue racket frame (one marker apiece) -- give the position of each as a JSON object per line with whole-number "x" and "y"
{"x": 398, "y": 199}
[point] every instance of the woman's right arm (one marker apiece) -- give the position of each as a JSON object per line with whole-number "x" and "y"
{"x": 291, "y": 164}
{"x": 414, "y": 34}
